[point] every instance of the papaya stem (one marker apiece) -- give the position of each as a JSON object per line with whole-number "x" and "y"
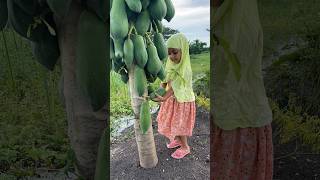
{"x": 135, "y": 30}
{"x": 130, "y": 31}
{"x": 155, "y": 25}
{"x": 149, "y": 39}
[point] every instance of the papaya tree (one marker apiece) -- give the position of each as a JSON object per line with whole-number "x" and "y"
{"x": 72, "y": 34}
{"x": 138, "y": 52}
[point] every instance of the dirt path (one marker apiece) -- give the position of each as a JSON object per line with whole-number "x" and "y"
{"x": 125, "y": 161}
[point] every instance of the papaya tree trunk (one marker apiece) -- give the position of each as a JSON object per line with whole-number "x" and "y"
{"x": 85, "y": 126}
{"x": 145, "y": 142}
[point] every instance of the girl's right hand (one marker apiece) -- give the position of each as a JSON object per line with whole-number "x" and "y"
{"x": 160, "y": 98}
{"x": 163, "y": 85}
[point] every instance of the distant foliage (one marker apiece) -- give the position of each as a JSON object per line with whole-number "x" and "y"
{"x": 197, "y": 47}
{"x": 201, "y": 85}
{"x": 167, "y": 32}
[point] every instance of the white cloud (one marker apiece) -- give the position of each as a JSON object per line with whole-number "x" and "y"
{"x": 192, "y": 18}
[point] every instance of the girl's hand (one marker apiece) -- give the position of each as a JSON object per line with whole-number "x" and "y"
{"x": 159, "y": 98}
{"x": 163, "y": 85}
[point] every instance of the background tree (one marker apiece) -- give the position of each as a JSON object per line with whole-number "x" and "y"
{"x": 167, "y": 32}
{"x": 197, "y": 47}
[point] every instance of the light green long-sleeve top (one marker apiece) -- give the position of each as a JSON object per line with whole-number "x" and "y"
{"x": 240, "y": 103}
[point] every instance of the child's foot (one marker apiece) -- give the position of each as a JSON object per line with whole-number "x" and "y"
{"x": 173, "y": 144}
{"x": 180, "y": 153}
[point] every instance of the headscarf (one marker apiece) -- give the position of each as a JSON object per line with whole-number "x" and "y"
{"x": 180, "y": 74}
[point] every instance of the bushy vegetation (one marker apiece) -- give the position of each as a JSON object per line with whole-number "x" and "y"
{"x": 293, "y": 81}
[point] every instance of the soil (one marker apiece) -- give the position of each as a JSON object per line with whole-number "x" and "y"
{"x": 293, "y": 161}
{"x": 125, "y": 160}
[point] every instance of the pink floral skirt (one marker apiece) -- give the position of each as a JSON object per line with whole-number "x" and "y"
{"x": 243, "y": 153}
{"x": 176, "y": 119}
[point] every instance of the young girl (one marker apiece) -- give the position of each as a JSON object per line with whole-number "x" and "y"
{"x": 176, "y": 117}
{"x": 242, "y": 134}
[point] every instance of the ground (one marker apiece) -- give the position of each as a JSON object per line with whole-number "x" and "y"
{"x": 295, "y": 166}
{"x": 125, "y": 160}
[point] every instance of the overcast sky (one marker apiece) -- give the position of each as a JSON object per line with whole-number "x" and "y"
{"x": 192, "y": 17}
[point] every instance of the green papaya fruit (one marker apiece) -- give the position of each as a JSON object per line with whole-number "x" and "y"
{"x": 143, "y": 22}
{"x": 161, "y": 74}
{"x": 46, "y": 51}
{"x": 118, "y": 48}
{"x": 132, "y": 16}
{"x": 160, "y": 44}
{"x": 157, "y": 26}
{"x": 170, "y": 10}
{"x": 134, "y": 5}
{"x": 30, "y": 7}
{"x": 3, "y": 14}
{"x": 100, "y": 8}
{"x": 145, "y": 117}
{"x": 59, "y": 7}
{"x": 157, "y": 9}
{"x": 161, "y": 92}
{"x": 118, "y": 20}
{"x": 128, "y": 52}
{"x": 154, "y": 63}
{"x": 145, "y": 4}
{"x": 92, "y": 59}
{"x": 140, "y": 80}
{"x": 103, "y": 158}
{"x": 140, "y": 51}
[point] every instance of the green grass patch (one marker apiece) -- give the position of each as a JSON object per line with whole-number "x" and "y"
{"x": 200, "y": 63}
{"x": 33, "y": 122}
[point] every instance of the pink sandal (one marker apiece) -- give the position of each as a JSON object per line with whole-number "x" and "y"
{"x": 173, "y": 144}
{"x": 180, "y": 153}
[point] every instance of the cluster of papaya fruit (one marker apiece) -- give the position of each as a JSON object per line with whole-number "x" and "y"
{"x": 137, "y": 43}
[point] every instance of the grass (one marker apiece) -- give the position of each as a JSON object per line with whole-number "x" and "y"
{"x": 200, "y": 63}
{"x": 33, "y": 123}
{"x": 120, "y": 98}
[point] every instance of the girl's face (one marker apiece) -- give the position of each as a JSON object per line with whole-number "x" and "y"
{"x": 174, "y": 55}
